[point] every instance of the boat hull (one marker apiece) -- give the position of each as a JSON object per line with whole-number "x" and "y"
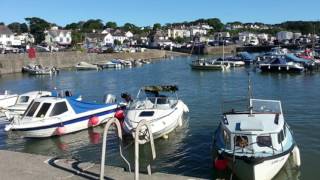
{"x": 68, "y": 125}
{"x": 8, "y": 100}
{"x": 284, "y": 68}
{"x": 206, "y": 67}
{"x": 165, "y": 122}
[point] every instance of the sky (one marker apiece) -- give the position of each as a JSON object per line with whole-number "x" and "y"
{"x": 148, "y": 12}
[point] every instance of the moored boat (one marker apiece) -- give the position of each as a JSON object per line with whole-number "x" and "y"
{"x": 256, "y": 142}
{"x": 280, "y": 64}
{"x": 160, "y": 106}
{"x": 37, "y": 69}
{"x": 7, "y": 99}
{"x": 202, "y": 64}
{"x": 86, "y": 66}
{"x": 50, "y": 116}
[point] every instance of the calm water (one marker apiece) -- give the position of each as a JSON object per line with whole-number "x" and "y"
{"x": 188, "y": 149}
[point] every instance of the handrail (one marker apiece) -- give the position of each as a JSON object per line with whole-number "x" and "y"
{"x": 137, "y": 142}
{"x": 104, "y": 141}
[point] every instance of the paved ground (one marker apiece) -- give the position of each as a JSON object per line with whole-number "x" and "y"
{"x": 16, "y": 166}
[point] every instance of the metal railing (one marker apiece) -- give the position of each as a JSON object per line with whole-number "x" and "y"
{"x": 104, "y": 142}
{"x": 137, "y": 142}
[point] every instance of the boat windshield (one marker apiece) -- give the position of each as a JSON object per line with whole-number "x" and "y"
{"x": 266, "y": 106}
{"x": 23, "y": 99}
{"x": 257, "y": 106}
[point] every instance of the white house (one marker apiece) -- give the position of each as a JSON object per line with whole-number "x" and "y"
{"x": 196, "y": 30}
{"x": 284, "y": 35}
{"x": 6, "y": 36}
{"x": 263, "y": 37}
{"x": 178, "y": 32}
{"x": 56, "y": 36}
{"x": 129, "y": 34}
{"x": 246, "y": 36}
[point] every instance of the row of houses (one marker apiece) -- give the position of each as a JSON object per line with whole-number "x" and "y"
{"x": 8, "y": 38}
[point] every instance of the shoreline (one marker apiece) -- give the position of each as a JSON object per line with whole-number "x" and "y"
{"x": 13, "y": 63}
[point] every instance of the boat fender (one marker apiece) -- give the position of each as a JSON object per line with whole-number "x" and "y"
{"x": 93, "y": 121}
{"x": 61, "y": 130}
{"x": 119, "y": 115}
{"x": 279, "y": 68}
{"x": 288, "y": 68}
{"x": 296, "y": 156}
{"x": 185, "y": 108}
{"x": 220, "y": 163}
{"x": 268, "y": 67}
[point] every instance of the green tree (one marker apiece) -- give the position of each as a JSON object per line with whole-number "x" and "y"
{"x": 24, "y": 28}
{"x": 15, "y": 27}
{"x": 73, "y": 26}
{"x": 156, "y": 26}
{"x": 77, "y": 37}
{"x": 92, "y": 24}
{"x": 112, "y": 25}
{"x": 215, "y": 23}
{"x": 37, "y": 28}
{"x": 2, "y": 23}
{"x": 132, "y": 28}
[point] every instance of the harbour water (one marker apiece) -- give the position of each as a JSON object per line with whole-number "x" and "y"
{"x": 187, "y": 151}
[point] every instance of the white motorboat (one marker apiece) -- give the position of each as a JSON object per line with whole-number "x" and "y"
{"x": 86, "y": 66}
{"x": 50, "y": 116}
{"x": 37, "y": 69}
{"x": 160, "y": 106}
{"x": 254, "y": 143}
{"x": 22, "y": 102}
{"x": 202, "y": 64}
{"x": 7, "y": 99}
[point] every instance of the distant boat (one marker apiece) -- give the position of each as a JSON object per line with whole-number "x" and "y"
{"x": 56, "y": 116}
{"x": 86, "y": 66}
{"x": 233, "y": 61}
{"x": 202, "y": 64}
{"x": 280, "y": 64}
{"x": 37, "y": 69}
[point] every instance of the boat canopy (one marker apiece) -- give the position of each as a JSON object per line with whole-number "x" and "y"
{"x": 163, "y": 88}
{"x": 80, "y": 107}
{"x": 297, "y": 59}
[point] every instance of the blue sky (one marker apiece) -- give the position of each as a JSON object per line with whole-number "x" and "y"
{"x": 148, "y": 12}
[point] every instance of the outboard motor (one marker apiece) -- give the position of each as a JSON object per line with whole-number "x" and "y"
{"x": 126, "y": 97}
{"x": 109, "y": 98}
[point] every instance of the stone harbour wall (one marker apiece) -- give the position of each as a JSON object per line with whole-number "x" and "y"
{"x": 13, "y": 63}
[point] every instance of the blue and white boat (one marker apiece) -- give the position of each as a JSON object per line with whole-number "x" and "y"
{"x": 51, "y": 116}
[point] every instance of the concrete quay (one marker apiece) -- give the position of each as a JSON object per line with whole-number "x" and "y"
{"x": 16, "y": 166}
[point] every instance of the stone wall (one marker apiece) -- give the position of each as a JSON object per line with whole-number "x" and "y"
{"x": 215, "y": 50}
{"x": 12, "y": 63}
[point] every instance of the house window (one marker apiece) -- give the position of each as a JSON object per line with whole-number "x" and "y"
{"x": 59, "y": 108}
{"x": 23, "y": 99}
{"x": 264, "y": 141}
{"x": 61, "y": 39}
{"x": 68, "y": 39}
{"x": 8, "y": 36}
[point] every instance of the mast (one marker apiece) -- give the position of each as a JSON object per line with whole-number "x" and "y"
{"x": 249, "y": 93}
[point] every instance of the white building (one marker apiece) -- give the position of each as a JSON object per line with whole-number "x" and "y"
{"x": 56, "y": 36}
{"x": 6, "y": 36}
{"x": 263, "y": 37}
{"x": 246, "y": 36}
{"x": 284, "y": 35}
{"x": 178, "y": 32}
{"x": 196, "y": 30}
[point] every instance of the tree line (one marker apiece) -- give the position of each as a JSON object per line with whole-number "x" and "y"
{"x": 36, "y": 26}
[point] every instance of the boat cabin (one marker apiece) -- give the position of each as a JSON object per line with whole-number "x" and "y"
{"x": 155, "y": 97}
{"x": 27, "y": 98}
{"x": 261, "y": 130}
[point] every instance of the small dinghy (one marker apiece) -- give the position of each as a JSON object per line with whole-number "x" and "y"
{"x": 160, "y": 106}
{"x": 51, "y": 116}
{"x": 86, "y": 66}
{"x": 256, "y": 142}
{"x": 7, "y": 99}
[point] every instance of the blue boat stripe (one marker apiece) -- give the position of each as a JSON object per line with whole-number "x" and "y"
{"x": 67, "y": 122}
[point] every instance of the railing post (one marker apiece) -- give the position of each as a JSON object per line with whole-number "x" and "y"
{"x": 104, "y": 142}
{"x": 137, "y": 142}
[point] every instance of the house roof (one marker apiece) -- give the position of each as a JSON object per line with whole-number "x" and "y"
{"x": 55, "y": 33}
{"x": 5, "y": 30}
{"x": 96, "y": 36}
